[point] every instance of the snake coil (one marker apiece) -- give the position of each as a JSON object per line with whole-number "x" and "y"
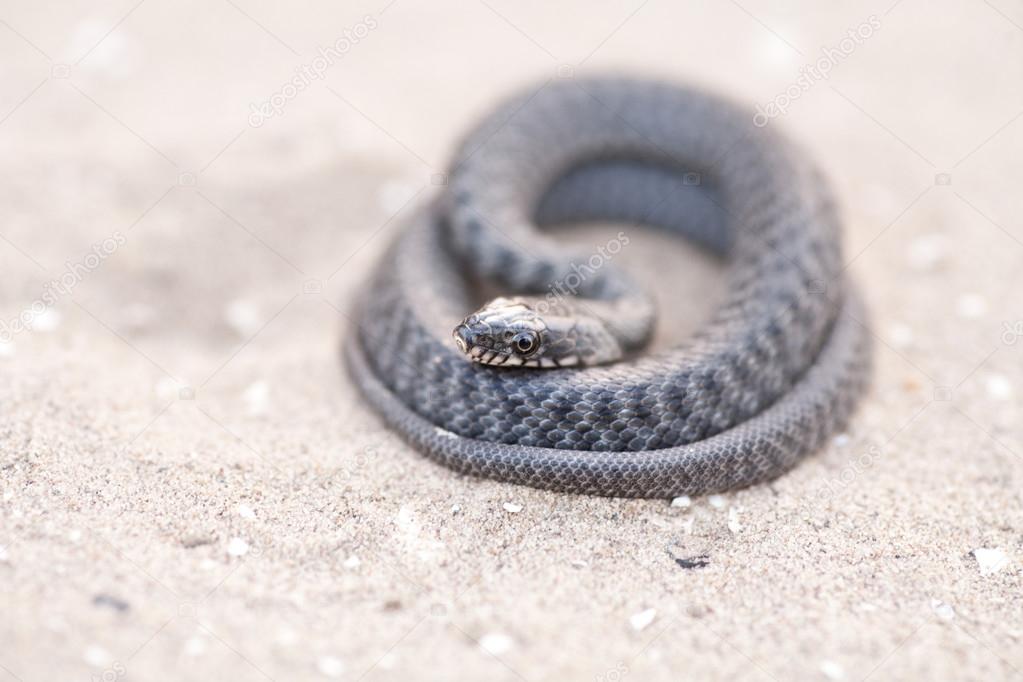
{"x": 775, "y": 371}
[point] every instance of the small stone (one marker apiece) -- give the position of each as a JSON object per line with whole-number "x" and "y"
{"x": 841, "y": 440}
{"x": 999, "y": 387}
{"x": 682, "y": 501}
{"x": 246, "y": 512}
{"x": 195, "y": 540}
{"x": 46, "y": 321}
{"x": 455, "y": 508}
{"x": 927, "y": 252}
{"x": 900, "y": 335}
{"x": 352, "y": 562}
{"x": 643, "y": 619}
{"x": 942, "y": 610}
{"x": 512, "y": 508}
{"x": 97, "y": 656}
{"x": 242, "y": 315}
{"x": 110, "y": 601}
{"x": 194, "y": 646}
{"x": 257, "y": 398}
{"x": 237, "y": 547}
{"x": 717, "y": 501}
{"x": 579, "y": 563}
{"x": 330, "y": 666}
{"x": 733, "y": 521}
{"x": 496, "y": 643}
{"x": 971, "y": 306}
{"x": 990, "y": 560}
{"x": 832, "y": 670}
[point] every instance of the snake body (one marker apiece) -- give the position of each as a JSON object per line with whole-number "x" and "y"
{"x": 777, "y": 369}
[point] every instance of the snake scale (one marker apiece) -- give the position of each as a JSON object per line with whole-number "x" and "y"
{"x": 549, "y": 386}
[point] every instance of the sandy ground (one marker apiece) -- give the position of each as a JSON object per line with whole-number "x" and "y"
{"x": 192, "y": 489}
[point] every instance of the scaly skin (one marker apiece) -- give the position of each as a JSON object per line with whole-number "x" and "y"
{"x": 777, "y": 369}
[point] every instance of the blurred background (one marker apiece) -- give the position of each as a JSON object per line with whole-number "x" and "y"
{"x": 193, "y": 195}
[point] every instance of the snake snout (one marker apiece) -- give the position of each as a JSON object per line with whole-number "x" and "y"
{"x": 464, "y": 337}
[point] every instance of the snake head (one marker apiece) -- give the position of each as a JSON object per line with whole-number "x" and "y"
{"x": 506, "y": 331}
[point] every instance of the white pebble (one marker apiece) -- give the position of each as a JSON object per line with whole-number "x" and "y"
{"x": 927, "y": 252}
{"x": 352, "y": 562}
{"x": 97, "y": 656}
{"x": 733, "y": 520}
{"x": 579, "y": 563}
{"x": 718, "y": 501}
{"x": 455, "y": 508}
{"x": 512, "y": 508}
{"x": 257, "y": 398}
{"x": 942, "y": 610}
{"x": 243, "y": 316}
{"x": 999, "y": 387}
{"x": 237, "y": 547}
{"x": 245, "y": 511}
{"x": 971, "y": 306}
{"x": 832, "y": 670}
{"x": 495, "y": 643}
{"x": 643, "y": 619}
{"x": 330, "y": 666}
{"x": 900, "y": 335}
{"x": 195, "y": 646}
{"x": 682, "y": 501}
{"x": 46, "y": 321}
{"x": 394, "y": 194}
{"x": 990, "y": 560}
{"x": 841, "y": 440}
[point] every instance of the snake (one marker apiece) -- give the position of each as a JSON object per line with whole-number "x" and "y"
{"x": 550, "y": 382}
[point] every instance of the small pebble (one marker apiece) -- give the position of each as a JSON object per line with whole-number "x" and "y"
{"x": 841, "y": 440}
{"x": 246, "y": 512}
{"x": 642, "y": 620}
{"x": 900, "y": 335}
{"x": 394, "y": 194}
{"x": 96, "y": 656}
{"x": 942, "y": 610}
{"x": 237, "y": 547}
{"x": 682, "y": 501}
{"x": 990, "y": 560}
{"x": 257, "y": 398}
{"x": 579, "y": 563}
{"x": 999, "y": 387}
{"x": 352, "y": 562}
{"x": 832, "y": 670}
{"x": 110, "y": 601}
{"x": 733, "y": 521}
{"x": 971, "y": 306}
{"x": 242, "y": 316}
{"x": 46, "y": 321}
{"x": 456, "y": 508}
{"x": 195, "y": 646}
{"x": 512, "y": 508}
{"x": 717, "y": 501}
{"x": 927, "y": 252}
{"x": 330, "y": 666}
{"x": 495, "y": 643}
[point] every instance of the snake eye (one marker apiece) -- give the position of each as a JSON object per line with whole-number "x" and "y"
{"x": 525, "y": 343}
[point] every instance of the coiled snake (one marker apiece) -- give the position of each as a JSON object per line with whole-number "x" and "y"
{"x": 575, "y": 405}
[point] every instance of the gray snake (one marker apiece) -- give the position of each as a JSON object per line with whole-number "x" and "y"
{"x": 777, "y": 369}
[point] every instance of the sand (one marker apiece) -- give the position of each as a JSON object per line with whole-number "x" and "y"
{"x": 193, "y": 489}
